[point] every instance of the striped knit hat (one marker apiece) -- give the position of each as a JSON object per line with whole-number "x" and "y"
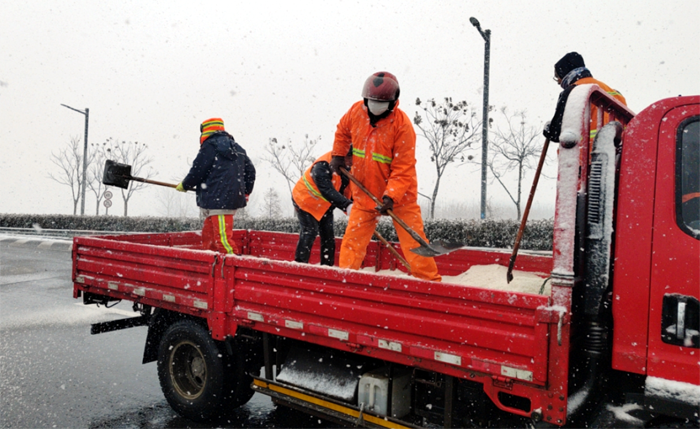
{"x": 209, "y": 127}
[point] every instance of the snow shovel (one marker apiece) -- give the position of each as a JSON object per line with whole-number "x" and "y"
{"x": 526, "y": 213}
{"x": 436, "y": 248}
{"x": 119, "y": 175}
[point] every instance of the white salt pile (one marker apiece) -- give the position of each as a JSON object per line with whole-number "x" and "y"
{"x": 494, "y": 277}
{"x": 489, "y": 277}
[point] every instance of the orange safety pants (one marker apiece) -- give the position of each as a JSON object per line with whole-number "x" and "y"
{"x": 361, "y": 226}
{"x": 217, "y": 234}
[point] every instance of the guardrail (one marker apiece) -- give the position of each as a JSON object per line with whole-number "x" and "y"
{"x": 59, "y": 233}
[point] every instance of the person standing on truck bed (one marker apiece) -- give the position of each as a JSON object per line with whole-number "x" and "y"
{"x": 569, "y": 72}
{"x": 384, "y": 161}
{"x": 317, "y": 193}
{"x": 223, "y": 177}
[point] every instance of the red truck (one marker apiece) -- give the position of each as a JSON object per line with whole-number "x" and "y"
{"x": 615, "y": 342}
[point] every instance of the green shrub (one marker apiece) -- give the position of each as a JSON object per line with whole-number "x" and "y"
{"x": 486, "y": 233}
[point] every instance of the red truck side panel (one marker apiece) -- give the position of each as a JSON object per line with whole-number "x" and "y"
{"x": 175, "y": 278}
{"x": 501, "y": 339}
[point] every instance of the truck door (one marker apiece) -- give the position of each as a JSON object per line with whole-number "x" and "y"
{"x": 675, "y": 266}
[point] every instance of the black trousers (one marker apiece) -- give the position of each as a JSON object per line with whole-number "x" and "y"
{"x": 310, "y": 228}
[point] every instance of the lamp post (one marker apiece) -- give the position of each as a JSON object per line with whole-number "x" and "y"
{"x": 486, "y": 34}
{"x": 82, "y": 196}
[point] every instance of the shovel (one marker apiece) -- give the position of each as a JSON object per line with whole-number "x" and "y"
{"x": 393, "y": 251}
{"x": 119, "y": 175}
{"x": 526, "y": 213}
{"x": 436, "y": 248}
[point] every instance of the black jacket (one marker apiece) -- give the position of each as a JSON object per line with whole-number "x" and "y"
{"x": 321, "y": 173}
{"x": 222, "y": 174}
{"x": 553, "y": 128}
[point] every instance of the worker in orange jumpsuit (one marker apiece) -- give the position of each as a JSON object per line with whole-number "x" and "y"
{"x": 569, "y": 72}
{"x": 315, "y": 196}
{"x": 384, "y": 161}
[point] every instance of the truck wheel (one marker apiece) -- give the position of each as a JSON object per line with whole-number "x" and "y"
{"x": 199, "y": 380}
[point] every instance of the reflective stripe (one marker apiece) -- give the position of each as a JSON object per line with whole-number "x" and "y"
{"x": 311, "y": 189}
{"x": 222, "y": 233}
{"x": 381, "y": 158}
{"x": 379, "y": 421}
{"x": 592, "y": 134}
{"x": 614, "y": 93}
{"x": 358, "y": 152}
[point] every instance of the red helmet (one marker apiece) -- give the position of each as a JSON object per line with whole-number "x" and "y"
{"x": 381, "y": 86}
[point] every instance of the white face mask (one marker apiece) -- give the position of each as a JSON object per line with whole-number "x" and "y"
{"x": 377, "y": 107}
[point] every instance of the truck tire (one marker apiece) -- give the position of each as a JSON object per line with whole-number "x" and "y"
{"x": 200, "y": 381}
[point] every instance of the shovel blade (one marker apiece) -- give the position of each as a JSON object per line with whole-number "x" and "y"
{"x": 116, "y": 174}
{"x": 437, "y": 248}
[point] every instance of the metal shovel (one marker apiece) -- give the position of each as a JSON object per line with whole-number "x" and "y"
{"x": 119, "y": 175}
{"x": 438, "y": 247}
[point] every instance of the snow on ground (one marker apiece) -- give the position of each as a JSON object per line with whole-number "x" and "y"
{"x": 64, "y": 316}
{"x": 622, "y": 413}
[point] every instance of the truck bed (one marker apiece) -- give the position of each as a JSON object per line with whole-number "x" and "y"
{"x": 500, "y": 338}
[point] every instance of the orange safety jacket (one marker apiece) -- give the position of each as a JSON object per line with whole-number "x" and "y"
{"x": 594, "y": 110}
{"x": 306, "y": 194}
{"x": 384, "y": 155}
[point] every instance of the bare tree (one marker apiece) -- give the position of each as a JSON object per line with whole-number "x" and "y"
{"x": 450, "y": 129}
{"x": 96, "y": 161}
{"x": 133, "y": 154}
{"x": 69, "y": 161}
{"x": 176, "y": 204}
{"x": 514, "y": 148}
{"x": 272, "y": 204}
{"x": 289, "y": 161}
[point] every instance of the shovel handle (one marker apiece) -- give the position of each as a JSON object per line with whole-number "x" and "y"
{"x": 526, "y": 213}
{"x": 393, "y": 251}
{"x": 413, "y": 233}
{"x": 153, "y": 182}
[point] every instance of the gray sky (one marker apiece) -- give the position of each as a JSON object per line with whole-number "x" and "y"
{"x": 152, "y": 71}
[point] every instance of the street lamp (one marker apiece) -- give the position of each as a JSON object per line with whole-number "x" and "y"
{"x": 87, "y": 116}
{"x": 486, "y": 34}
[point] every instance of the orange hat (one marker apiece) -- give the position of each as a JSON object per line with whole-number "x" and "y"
{"x": 209, "y": 127}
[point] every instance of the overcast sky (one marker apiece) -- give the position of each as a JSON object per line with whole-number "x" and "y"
{"x": 152, "y": 71}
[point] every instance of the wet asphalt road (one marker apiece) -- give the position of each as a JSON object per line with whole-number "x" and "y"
{"x": 54, "y": 374}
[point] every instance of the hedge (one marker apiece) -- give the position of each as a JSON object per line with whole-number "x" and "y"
{"x": 486, "y": 233}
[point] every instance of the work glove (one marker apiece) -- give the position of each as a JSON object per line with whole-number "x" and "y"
{"x": 348, "y": 209}
{"x": 180, "y": 188}
{"x": 387, "y": 204}
{"x": 545, "y": 131}
{"x": 336, "y": 163}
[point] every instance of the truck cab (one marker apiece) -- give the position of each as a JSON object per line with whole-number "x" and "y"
{"x": 656, "y": 283}
{"x": 633, "y": 259}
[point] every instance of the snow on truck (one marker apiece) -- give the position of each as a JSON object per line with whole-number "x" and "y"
{"x": 612, "y": 339}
